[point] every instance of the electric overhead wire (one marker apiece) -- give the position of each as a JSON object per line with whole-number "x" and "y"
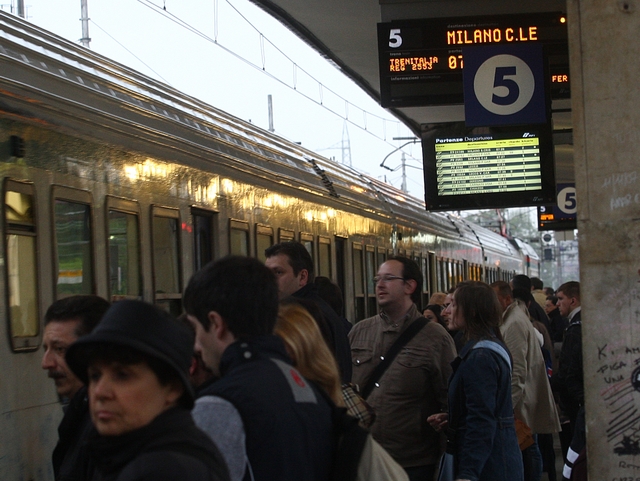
{"x": 134, "y": 55}
{"x": 322, "y": 88}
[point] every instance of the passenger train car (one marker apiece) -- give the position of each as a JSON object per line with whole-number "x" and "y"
{"x": 115, "y": 184}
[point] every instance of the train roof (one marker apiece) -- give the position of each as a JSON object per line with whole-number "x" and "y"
{"x": 51, "y": 79}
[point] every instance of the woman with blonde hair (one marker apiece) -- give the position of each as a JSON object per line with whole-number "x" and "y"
{"x": 312, "y": 357}
{"x": 308, "y": 349}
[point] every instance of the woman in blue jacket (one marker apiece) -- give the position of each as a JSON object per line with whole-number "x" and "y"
{"x": 480, "y": 424}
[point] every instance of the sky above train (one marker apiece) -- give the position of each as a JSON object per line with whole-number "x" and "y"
{"x": 232, "y": 55}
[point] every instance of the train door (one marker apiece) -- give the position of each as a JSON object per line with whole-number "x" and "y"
{"x": 238, "y": 237}
{"x": 21, "y": 265}
{"x": 73, "y": 246}
{"x": 204, "y": 237}
{"x": 324, "y": 257}
{"x": 165, "y": 249}
{"x": 123, "y": 250}
{"x": 264, "y": 240}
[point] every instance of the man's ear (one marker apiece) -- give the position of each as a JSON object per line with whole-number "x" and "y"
{"x": 304, "y": 277}
{"x": 410, "y": 286}
{"x": 218, "y": 325}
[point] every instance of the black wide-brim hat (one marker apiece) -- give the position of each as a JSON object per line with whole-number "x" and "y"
{"x": 144, "y": 328}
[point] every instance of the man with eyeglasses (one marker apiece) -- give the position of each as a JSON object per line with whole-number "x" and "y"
{"x": 414, "y": 386}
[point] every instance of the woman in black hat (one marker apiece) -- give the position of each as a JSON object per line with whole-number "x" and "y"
{"x": 136, "y": 364}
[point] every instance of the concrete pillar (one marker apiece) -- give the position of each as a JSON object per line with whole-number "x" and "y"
{"x": 605, "y": 82}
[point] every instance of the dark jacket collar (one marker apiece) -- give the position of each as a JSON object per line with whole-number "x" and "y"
{"x": 171, "y": 430}
{"x": 248, "y": 350}
{"x": 306, "y": 292}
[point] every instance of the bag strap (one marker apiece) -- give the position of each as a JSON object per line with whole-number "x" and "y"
{"x": 495, "y": 347}
{"x": 414, "y": 328}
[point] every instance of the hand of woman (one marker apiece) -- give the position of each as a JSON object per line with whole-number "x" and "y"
{"x": 438, "y": 421}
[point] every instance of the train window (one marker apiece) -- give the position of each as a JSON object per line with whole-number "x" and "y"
{"x": 285, "y": 235}
{"x": 307, "y": 242}
{"x": 238, "y": 237}
{"x": 324, "y": 257}
{"x": 21, "y": 262}
{"x": 204, "y": 228}
{"x": 264, "y": 240}
{"x": 165, "y": 240}
{"x": 358, "y": 281}
{"x": 370, "y": 263}
{"x": 125, "y": 276}
{"x": 74, "y": 242}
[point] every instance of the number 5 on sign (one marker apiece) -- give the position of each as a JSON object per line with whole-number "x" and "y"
{"x": 567, "y": 200}
{"x": 504, "y": 84}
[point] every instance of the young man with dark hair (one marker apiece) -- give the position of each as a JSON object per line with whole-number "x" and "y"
{"x": 568, "y": 382}
{"x": 65, "y": 322}
{"x": 261, "y": 409}
{"x": 414, "y": 386}
{"x": 292, "y": 265}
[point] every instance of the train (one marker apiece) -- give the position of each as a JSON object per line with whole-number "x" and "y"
{"x": 118, "y": 185}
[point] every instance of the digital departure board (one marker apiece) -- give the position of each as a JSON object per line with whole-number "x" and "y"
{"x": 421, "y": 61}
{"x": 497, "y": 165}
{"x": 482, "y": 167}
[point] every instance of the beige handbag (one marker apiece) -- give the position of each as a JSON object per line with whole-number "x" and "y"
{"x": 376, "y": 464}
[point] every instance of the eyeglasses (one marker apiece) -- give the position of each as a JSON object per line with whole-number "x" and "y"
{"x": 385, "y": 279}
{"x": 445, "y": 306}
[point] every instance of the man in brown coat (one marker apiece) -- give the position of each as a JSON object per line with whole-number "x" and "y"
{"x": 415, "y": 384}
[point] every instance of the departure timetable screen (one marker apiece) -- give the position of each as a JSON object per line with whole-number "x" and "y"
{"x": 421, "y": 60}
{"x": 487, "y": 165}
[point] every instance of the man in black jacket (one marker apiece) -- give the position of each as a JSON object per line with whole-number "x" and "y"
{"x": 293, "y": 267}
{"x": 65, "y": 321}
{"x": 568, "y": 382}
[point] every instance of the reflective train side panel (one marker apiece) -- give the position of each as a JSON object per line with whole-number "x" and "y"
{"x": 115, "y": 184}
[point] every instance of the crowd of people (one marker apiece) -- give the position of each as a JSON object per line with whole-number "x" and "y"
{"x": 257, "y": 377}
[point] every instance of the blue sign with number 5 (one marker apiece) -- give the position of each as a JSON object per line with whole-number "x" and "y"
{"x": 504, "y": 85}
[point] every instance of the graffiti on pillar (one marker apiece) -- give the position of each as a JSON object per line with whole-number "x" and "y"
{"x": 623, "y": 427}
